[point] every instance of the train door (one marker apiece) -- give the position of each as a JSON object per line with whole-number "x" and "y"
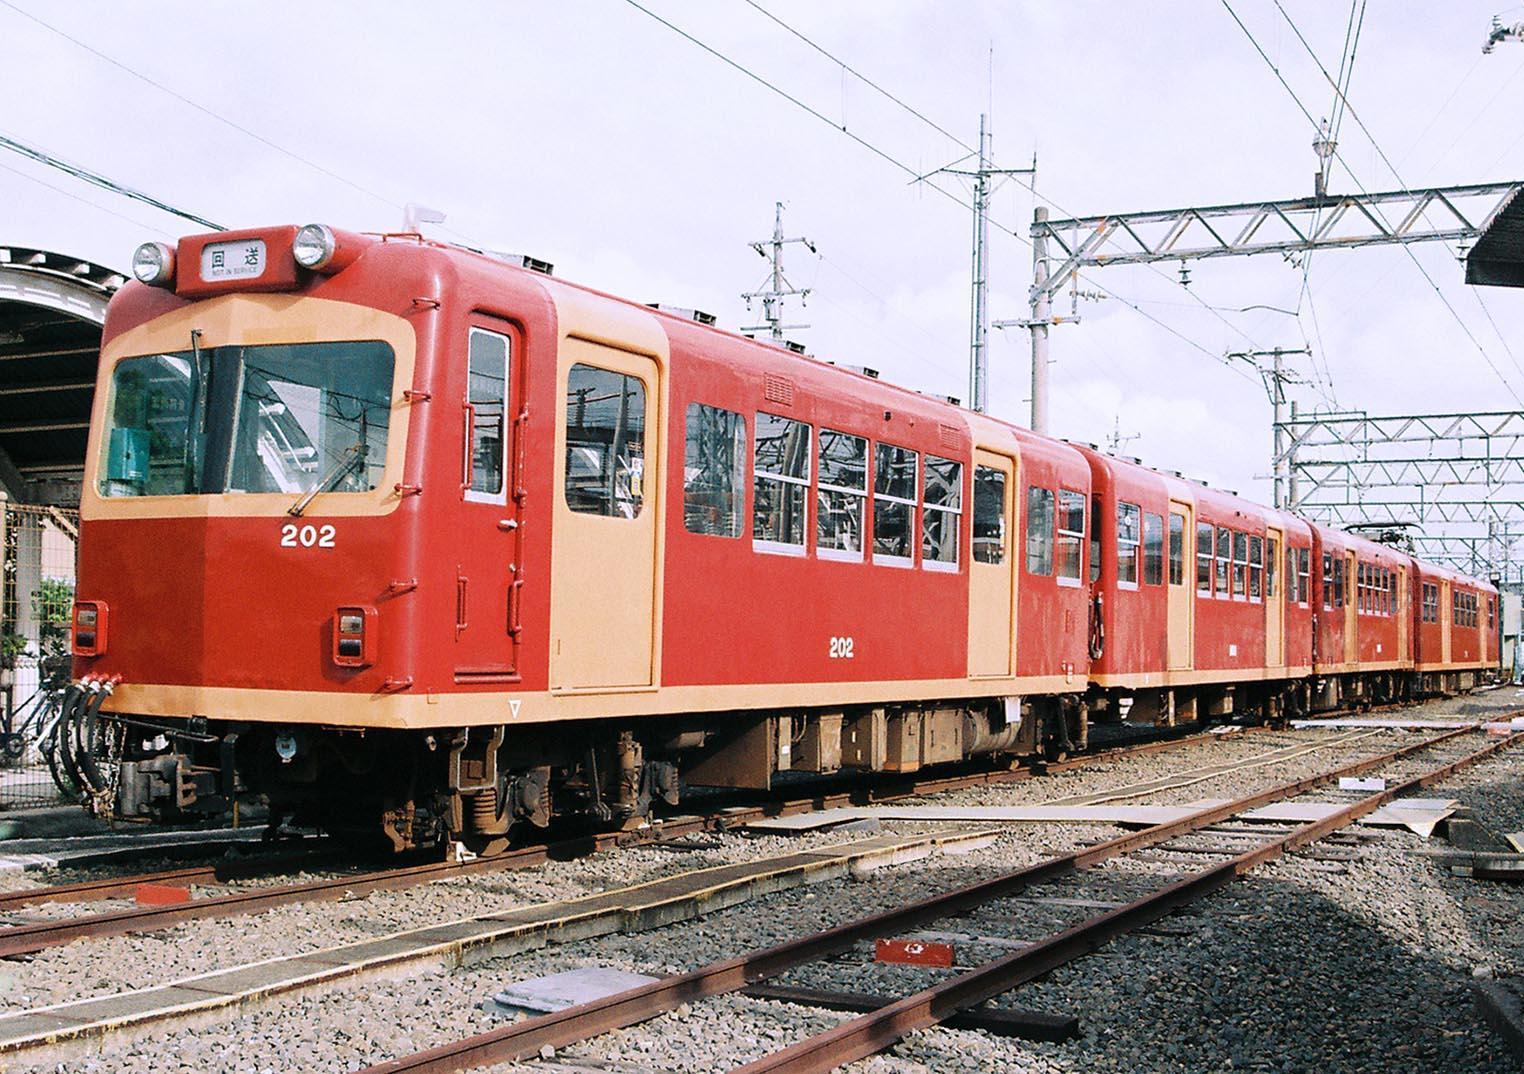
{"x": 1446, "y": 621}
{"x": 1182, "y": 603}
{"x": 608, "y": 507}
{"x": 992, "y": 574}
{"x": 487, "y": 553}
{"x": 1275, "y": 602}
{"x": 1404, "y": 615}
{"x": 1351, "y": 611}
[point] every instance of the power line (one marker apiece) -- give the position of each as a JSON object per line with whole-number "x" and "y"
{"x": 162, "y": 88}
{"x": 84, "y": 201}
{"x": 913, "y": 173}
{"x": 864, "y": 79}
{"x": 1303, "y": 108}
{"x": 101, "y": 181}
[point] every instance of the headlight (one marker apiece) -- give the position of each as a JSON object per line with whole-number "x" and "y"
{"x": 314, "y": 246}
{"x": 154, "y": 263}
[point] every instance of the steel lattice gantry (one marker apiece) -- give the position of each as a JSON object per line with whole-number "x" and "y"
{"x": 1458, "y": 477}
{"x": 1347, "y": 221}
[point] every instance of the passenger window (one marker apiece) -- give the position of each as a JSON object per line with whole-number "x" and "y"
{"x": 605, "y": 442}
{"x": 1272, "y": 566}
{"x": 843, "y": 494}
{"x": 486, "y": 414}
{"x": 1176, "y": 549}
{"x": 1153, "y": 549}
{"x": 714, "y": 471}
{"x": 989, "y": 515}
{"x": 894, "y": 481}
{"x": 1240, "y": 562}
{"x": 1039, "y": 531}
{"x": 1339, "y": 573}
{"x": 1204, "y": 559}
{"x": 1071, "y": 534}
{"x": 941, "y": 508}
{"x": 1328, "y": 581}
{"x": 1096, "y": 518}
{"x": 1224, "y": 560}
{"x": 1304, "y": 576}
{"x": 1129, "y": 541}
{"x": 1256, "y": 566}
{"x": 781, "y": 475}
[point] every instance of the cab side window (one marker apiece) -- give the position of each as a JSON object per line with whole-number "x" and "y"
{"x": 487, "y": 415}
{"x": 605, "y": 442}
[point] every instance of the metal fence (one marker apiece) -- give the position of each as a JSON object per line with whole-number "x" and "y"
{"x": 36, "y": 602}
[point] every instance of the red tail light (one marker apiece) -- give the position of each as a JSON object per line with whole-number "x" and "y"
{"x": 354, "y": 637}
{"x": 88, "y": 626}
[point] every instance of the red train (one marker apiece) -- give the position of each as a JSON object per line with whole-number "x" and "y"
{"x": 416, "y": 541}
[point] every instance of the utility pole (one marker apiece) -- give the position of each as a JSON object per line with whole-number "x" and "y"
{"x": 1041, "y": 311}
{"x": 1276, "y": 378}
{"x": 777, "y": 286}
{"x": 979, "y": 313}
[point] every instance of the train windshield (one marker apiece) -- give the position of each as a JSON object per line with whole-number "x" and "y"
{"x": 284, "y": 418}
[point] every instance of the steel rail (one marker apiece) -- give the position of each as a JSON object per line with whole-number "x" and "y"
{"x": 24, "y": 939}
{"x": 114, "y": 887}
{"x": 29, "y": 938}
{"x": 871, "y": 1033}
{"x": 524, "y": 1038}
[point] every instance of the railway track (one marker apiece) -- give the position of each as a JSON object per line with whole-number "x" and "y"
{"x": 863, "y": 1036}
{"x": 31, "y": 937}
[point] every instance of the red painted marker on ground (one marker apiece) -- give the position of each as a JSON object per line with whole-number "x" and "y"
{"x": 914, "y": 952}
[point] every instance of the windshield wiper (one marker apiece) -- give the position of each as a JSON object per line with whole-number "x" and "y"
{"x": 353, "y": 458}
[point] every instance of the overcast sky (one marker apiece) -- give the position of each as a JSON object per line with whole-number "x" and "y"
{"x": 587, "y": 133}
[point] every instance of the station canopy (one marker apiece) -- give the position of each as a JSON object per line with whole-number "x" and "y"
{"x": 52, "y": 307}
{"x": 1497, "y": 257}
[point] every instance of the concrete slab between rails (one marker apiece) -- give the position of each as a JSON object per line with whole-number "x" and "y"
{"x": 1499, "y": 1004}
{"x": 18, "y": 855}
{"x": 1398, "y": 724}
{"x": 1418, "y": 814}
{"x": 70, "y": 1030}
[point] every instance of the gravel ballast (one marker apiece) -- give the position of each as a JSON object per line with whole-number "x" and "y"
{"x": 1308, "y": 965}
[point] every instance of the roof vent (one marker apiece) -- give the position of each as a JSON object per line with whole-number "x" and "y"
{"x": 776, "y": 389}
{"x": 860, "y": 370}
{"x": 682, "y": 311}
{"x": 797, "y": 348}
{"x": 533, "y": 264}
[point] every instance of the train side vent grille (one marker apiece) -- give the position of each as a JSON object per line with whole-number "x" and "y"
{"x": 948, "y": 433}
{"x": 776, "y": 389}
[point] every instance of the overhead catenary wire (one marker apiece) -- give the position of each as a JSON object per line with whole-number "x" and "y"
{"x": 203, "y": 109}
{"x": 1031, "y": 188}
{"x": 864, "y": 79}
{"x": 1342, "y": 96}
{"x": 918, "y": 176}
{"x": 1487, "y": 358}
{"x": 84, "y": 201}
{"x": 96, "y": 179}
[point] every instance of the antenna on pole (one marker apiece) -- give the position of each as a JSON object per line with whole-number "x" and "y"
{"x": 776, "y": 287}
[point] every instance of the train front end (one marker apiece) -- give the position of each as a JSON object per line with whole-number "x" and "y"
{"x": 247, "y": 530}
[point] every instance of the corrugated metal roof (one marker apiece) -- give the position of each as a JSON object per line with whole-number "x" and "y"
{"x": 1497, "y": 258}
